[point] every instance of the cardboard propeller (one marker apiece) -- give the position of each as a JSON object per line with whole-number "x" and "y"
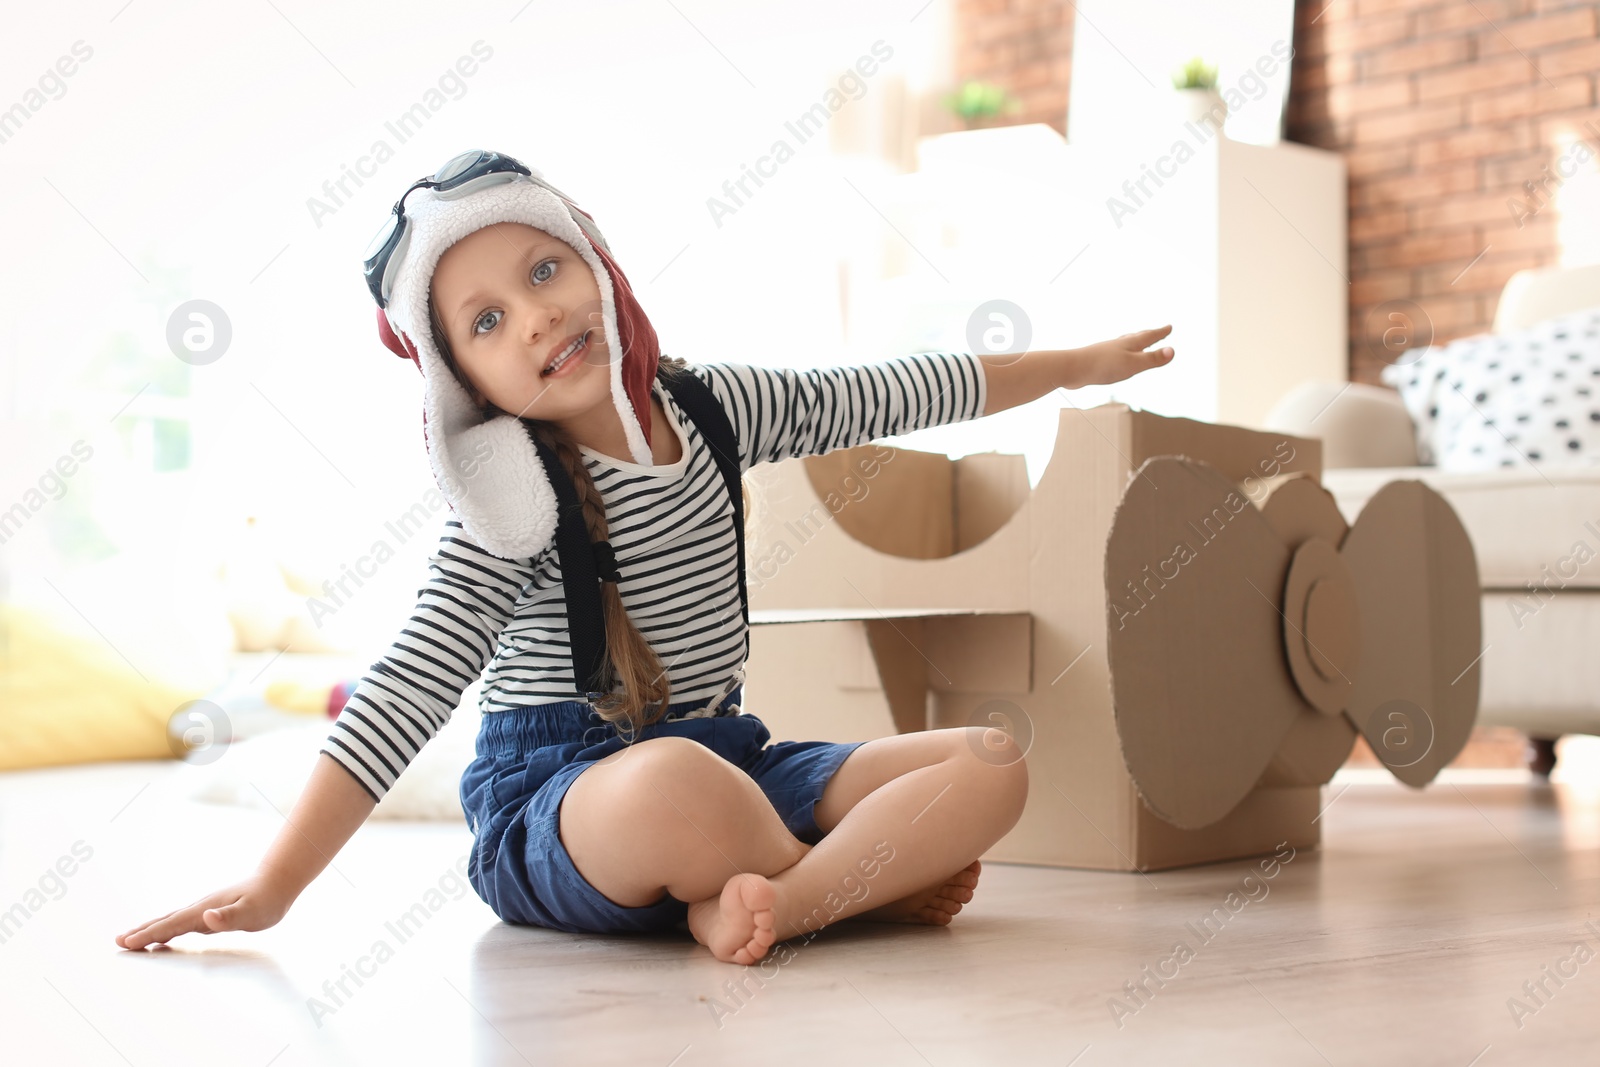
{"x": 1245, "y": 642}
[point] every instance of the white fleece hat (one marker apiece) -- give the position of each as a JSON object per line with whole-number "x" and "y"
{"x": 490, "y": 470}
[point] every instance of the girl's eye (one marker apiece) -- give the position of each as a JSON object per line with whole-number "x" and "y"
{"x": 538, "y": 278}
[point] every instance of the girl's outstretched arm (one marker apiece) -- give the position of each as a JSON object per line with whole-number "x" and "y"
{"x": 330, "y": 809}
{"x": 400, "y": 703}
{"x": 1016, "y": 379}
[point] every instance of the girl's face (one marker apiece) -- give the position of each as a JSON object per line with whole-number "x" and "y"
{"x": 511, "y": 297}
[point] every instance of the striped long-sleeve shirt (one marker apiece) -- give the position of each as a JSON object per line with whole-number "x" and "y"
{"x": 672, "y": 528}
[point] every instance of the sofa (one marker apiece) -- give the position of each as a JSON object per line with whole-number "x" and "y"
{"x": 1535, "y": 527}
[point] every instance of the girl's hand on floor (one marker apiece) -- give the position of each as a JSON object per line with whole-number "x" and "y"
{"x": 1112, "y": 361}
{"x": 253, "y": 904}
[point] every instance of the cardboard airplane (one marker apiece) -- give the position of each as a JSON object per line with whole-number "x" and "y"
{"x": 1176, "y": 624}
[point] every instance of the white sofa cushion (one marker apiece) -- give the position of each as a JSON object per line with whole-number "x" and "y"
{"x": 1531, "y": 396}
{"x": 1360, "y": 425}
{"x": 1540, "y": 673}
{"x": 1538, "y": 526}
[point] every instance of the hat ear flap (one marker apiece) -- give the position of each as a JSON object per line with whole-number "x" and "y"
{"x": 396, "y": 342}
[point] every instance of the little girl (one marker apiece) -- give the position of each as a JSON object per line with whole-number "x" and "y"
{"x": 639, "y": 795}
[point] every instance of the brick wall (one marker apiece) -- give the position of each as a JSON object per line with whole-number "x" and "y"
{"x": 1024, "y": 46}
{"x": 1444, "y": 112}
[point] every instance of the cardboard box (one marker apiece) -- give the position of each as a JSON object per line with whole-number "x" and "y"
{"x": 1176, "y": 624}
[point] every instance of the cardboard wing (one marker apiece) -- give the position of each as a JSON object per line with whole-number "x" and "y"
{"x": 1244, "y": 641}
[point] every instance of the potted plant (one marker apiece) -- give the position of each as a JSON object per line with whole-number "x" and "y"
{"x": 1196, "y": 85}
{"x": 979, "y": 104}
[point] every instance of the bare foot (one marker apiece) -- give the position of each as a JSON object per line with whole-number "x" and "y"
{"x": 935, "y": 906}
{"x": 737, "y": 925}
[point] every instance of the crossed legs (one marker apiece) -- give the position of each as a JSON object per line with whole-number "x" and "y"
{"x": 905, "y": 818}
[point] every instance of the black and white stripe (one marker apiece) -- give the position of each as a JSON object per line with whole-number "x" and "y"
{"x": 674, "y": 538}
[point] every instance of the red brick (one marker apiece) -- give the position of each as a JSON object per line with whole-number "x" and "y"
{"x": 1422, "y": 55}
{"x": 1536, "y": 99}
{"x": 1029, "y": 76}
{"x": 1506, "y": 175}
{"x": 1452, "y": 314}
{"x": 1475, "y": 77}
{"x": 1367, "y": 226}
{"x": 1415, "y": 187}
{"x": 1443, "y": 18}
{"x": 1314, "y": 13}
{"x": 1580, "y": 58}
{"x": 1407, "y": 123}
{"x": 1368, "y": 288}
{"x": 1371, "y": 326}
{"x": 1315, "y": 134}
{"x": 1472, "y": 144}
{"x": 1340, "y": 69}
{"x": 1418, "y": 250}
{"x": 1366, "y": 8}
{"x": 1363, "y": 35}
{"x": 1314, "y": 107}
{"x": 1461, "y": 210}
{"x": 1311, "y": 43}
{"x": 1368, "y": 96}
{"x": 1537, "y": 31}
{"x": 1306, "y": 79}
{"x": 1371, "y": 160}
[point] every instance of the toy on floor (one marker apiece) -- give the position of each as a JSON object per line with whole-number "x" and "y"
{"x": 1175, "y": 623}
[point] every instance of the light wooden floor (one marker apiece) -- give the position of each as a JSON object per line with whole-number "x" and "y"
{"x": 1401, "y": 941}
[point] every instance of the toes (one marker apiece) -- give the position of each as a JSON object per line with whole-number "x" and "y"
{"x": 758, "y": 895}
{"x": 753, "y": 951}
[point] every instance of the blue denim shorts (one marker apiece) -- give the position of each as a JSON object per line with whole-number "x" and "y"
{"x": 527, "y": 757}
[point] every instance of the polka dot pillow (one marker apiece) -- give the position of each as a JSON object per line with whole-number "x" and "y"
{"x": 1522, "y": 399}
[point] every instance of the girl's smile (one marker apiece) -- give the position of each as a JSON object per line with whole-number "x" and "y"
{"x": 513, "y": 300}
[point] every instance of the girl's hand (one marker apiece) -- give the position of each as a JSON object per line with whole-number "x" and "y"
{"x": 253, "y": 904}
{"x": 1112, "y": 361}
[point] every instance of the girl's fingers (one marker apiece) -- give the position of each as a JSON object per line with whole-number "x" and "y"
{"x": 137, "y": 930}
{"x": 160, "y": 931}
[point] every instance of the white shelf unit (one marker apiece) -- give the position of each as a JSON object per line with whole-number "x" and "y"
{"x": 1241, "y": 247}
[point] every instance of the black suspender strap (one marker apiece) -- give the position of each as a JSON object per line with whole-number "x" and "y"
{"x": 584, "y": 563}
{"x": 580, "y": 577}
{"x": 711, "y": 419}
